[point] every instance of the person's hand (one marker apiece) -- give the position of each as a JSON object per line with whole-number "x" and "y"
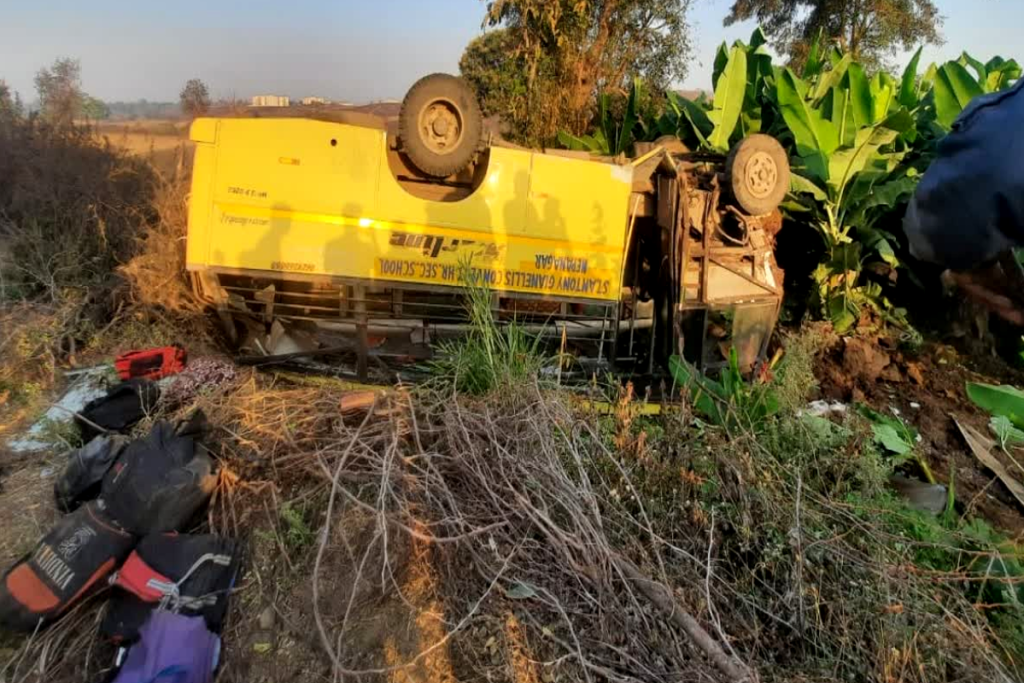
{"x": 993, "y": 288}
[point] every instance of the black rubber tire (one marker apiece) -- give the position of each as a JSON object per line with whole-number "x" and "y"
{"x": 757, "y": 170}
{"x": 455, "y": 94}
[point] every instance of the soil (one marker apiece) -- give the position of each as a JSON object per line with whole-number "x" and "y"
{"x": 927, "y": 386}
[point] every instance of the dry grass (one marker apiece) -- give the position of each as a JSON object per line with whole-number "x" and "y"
{"x": 26, "y": 504}
{"x": 440, "y": 538}
{"x": 157, "y": 274}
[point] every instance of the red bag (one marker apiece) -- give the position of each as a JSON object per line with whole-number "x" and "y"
{"x": 151, "y": 363}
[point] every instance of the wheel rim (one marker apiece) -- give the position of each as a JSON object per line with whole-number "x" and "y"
{"x": 440, "y": 126}
{"x": 761, "y": 175}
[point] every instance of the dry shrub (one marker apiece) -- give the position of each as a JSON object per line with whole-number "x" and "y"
{"x": 71, "y": 208}
{"x": 157, "y": 273}
{"x": 34, "y": 339}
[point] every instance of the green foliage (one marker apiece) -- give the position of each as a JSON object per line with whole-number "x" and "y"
{"x": 729, "y": 97}
{"x": 1005, "y": 401}
{"x": 955, "y": 87}
{"x": 858, "y": 144}
{"x": 94, "y": 109}
{"x": 807, "y": 535}
{"x": 729, "y": 402}
{"x": 490, "y": 357}
{"x": 1005, "y": 432}
{"x": 612, "y": 136}
{"x": 298, "y": 535}
{"x": 849, "y": 174}
{"x": 896, "y": 437}
{"x": 497, "y": 75}
{"x": 739, "y": 78}
{"x": 571, "y": 51}
{"x": 890, "y": 432}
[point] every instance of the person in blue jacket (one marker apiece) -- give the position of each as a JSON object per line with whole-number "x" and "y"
{"x": 968, "y": 212}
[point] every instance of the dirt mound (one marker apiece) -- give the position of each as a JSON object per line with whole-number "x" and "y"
{"x": 927, "y": 387}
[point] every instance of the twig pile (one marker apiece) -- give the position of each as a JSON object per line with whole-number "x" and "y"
{"x": 508, "y": 494}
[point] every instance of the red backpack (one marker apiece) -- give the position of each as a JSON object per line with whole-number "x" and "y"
{"x": 151, "y": 363}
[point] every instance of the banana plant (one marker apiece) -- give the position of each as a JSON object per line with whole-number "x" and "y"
{"x": 845, "y": 128}
{"x": 611, "y": 137}
{"x": 955, "y": 87}
{"x": 738, "y": 79}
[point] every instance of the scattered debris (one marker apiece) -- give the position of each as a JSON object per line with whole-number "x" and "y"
{"x": 89, "y": 384}
{"x": 204, "y": 374}
{"x": 357, "y": 402}
{"x": 921, "y": 495}
{"x": 282, "y": 342}
{"x": 824, "y": 408}
{"x": 981, "y": 446}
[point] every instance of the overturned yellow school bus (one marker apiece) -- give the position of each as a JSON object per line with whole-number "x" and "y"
{"x": 371, "y": 234}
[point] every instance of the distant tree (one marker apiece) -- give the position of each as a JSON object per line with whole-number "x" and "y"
{"x": 94, "y": 108}
{"x": 10, "y": 103}
{"x": 573, "y": 49}
{"x": 60, "y": 92}
{"x": 144, "y": 109}
{"x": 870, "y": 30}
{"x": 195, "y": 98}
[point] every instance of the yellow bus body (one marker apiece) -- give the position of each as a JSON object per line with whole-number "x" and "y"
{"x": 297, "y": 197}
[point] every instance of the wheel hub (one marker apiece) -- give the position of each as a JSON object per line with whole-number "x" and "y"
{"x": 441, "y": 126}
{"x": 761, "y": 174}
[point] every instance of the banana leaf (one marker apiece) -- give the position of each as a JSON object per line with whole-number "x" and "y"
{"x": 707, "y": 395}
{"x": 954, "y": 89}
{"x": 816, "y": 137}
{"x": 908, "y": 87}
{"x": 1002, "y": 400}
{"x": 582, "y": 143}
{"x": 883, "y": 93}
{"x": 728, "y": 102}
{"x": 813, "y": 63}
{"x": 831, "y": 78}
{"x": 1001, "y": 75}
{"x": 693, "y": 121}
{"x": 846, "y": 163}
{"x": 721, "y": 60}
{"x": 980, "y": 69}
{"x": 862, "y": 103}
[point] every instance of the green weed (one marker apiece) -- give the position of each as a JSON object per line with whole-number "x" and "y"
{"x": 298, "y": 535}
{"x": 295, "y": 532}
{"x": 61, "y": 434}
{"x": 490, "y": 356}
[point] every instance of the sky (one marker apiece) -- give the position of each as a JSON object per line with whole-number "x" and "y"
{"x": 347, "y": 50}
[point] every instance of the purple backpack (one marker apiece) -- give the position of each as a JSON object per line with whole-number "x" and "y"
{"x": 172, "y": 648}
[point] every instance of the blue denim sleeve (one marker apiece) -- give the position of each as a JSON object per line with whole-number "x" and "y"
{"x": 969, "y": 206}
